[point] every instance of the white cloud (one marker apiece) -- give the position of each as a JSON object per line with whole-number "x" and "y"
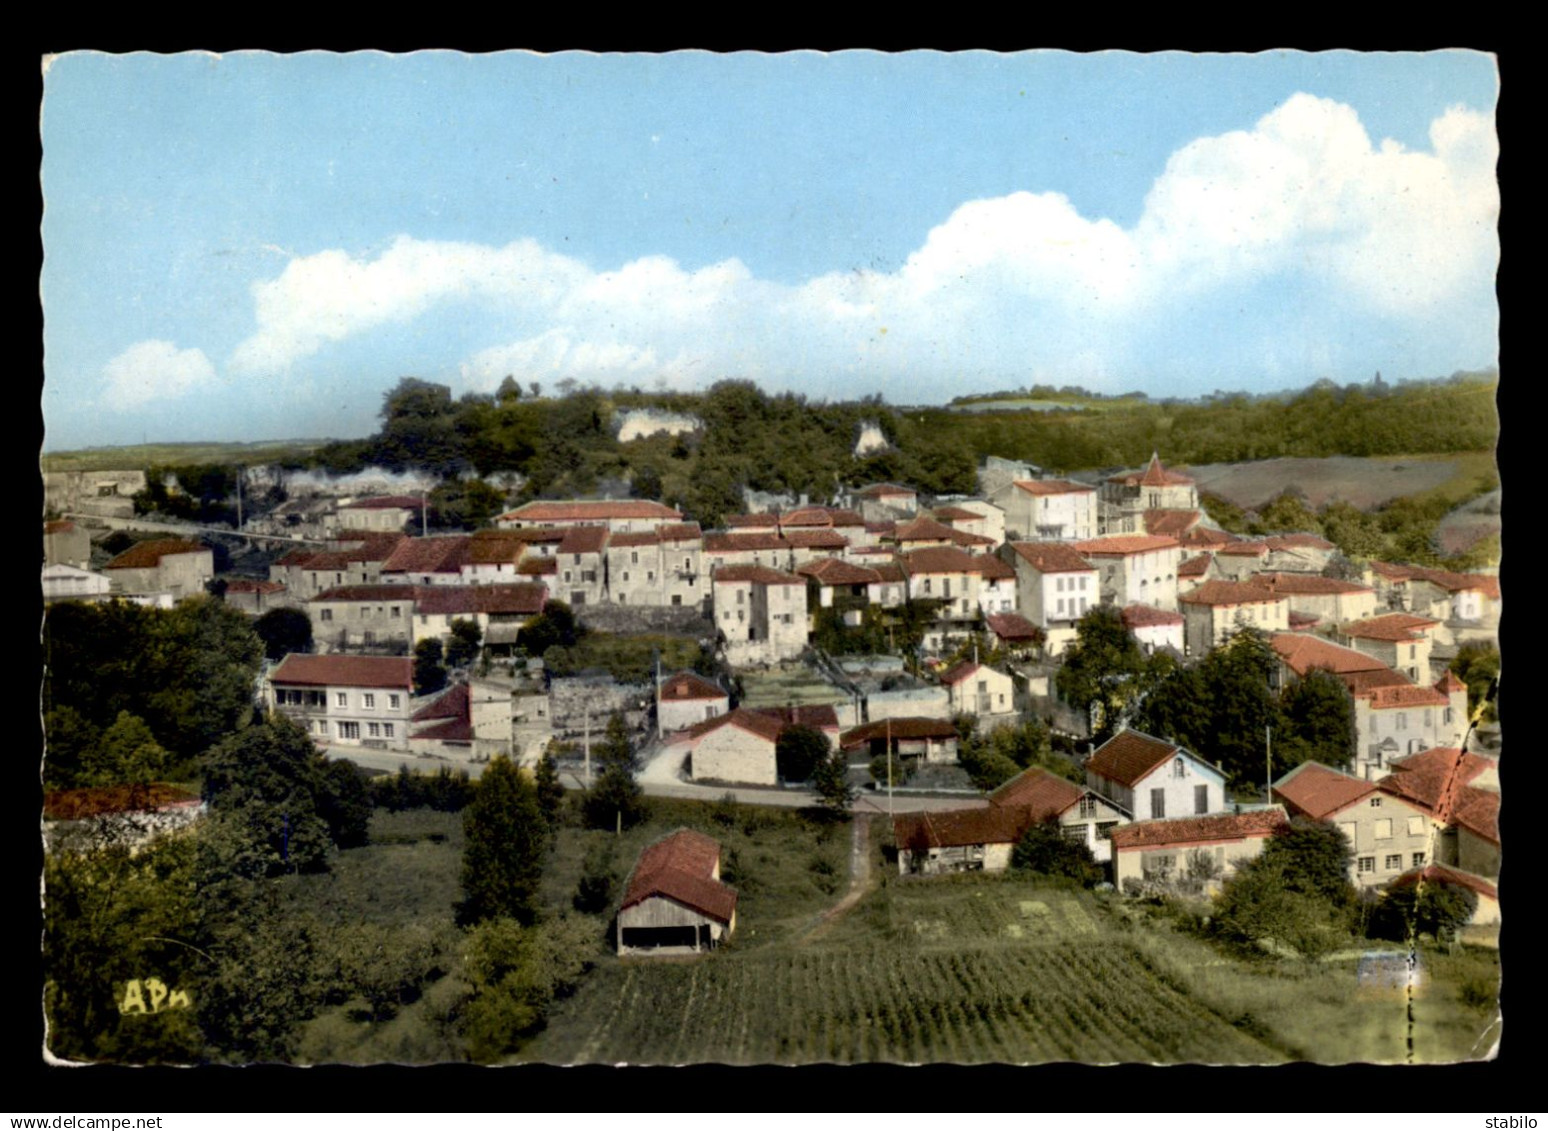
{"x": 154, "y": 371}
{"x": 1022, "y": 286}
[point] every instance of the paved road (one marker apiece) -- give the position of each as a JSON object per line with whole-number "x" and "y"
{"x": 659, "y": 778}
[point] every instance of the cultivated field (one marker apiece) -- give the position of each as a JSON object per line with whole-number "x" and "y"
{"x": 1364, "y": 482}
{"x": 136, "y": 456}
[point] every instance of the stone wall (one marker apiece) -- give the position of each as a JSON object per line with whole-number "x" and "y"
{"x": 570, "y": 698}
{"x": 677, "y": 620}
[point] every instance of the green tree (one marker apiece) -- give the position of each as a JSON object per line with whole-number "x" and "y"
{"x": 550, "y": 790}
{"x": 1242, "y": 705}
{"x": 1317, "y": 857}
{"x": 615, "y": 798}
{"x": 1100, "y": 667}
{"x": 798, "y": 750}
{"x": 71, "y": 738}
{"x": 466, "y": 637}
{"x": 263, "y": 786}
{"x": 344, "y": 803}
{"x": 429, "y": 671}
{"x": 514, "y": 974}
{"x": 830, "y": 778}
{"x": 1297, "y": 892}
{"x": 506, "y": 837}
{"x": 284, "y": 631}
{"x": 598, "y": 880}
{"x": 1430, "y": 908}
{"x": 1318, "y": 722}
{"x": 1477, "y": 664}
{"x": 1044, "y": 850}
{"x": 554, "y": 626}
{"x": 126, "y": 753}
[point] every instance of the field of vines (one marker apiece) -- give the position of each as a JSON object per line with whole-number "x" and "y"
{"x": 955, "y": 973}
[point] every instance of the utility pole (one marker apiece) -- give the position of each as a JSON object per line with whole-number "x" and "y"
{"x": 424, "y": 513}
{"x": 1268, "y": 764}
{"x": 239, "y": 496}
{"x": 889, "y": 769}
{"x": 588, "y": 747}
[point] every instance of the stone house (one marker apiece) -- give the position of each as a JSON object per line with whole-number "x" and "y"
{"x": 370, "y": 617}
{"x": 1387, "y": 833}
{"x": 66, "y": 543}
{"x": 1462, "y": 790}
{"x": 469, "y": 722}
{"x": 1215, "y": 611}
{"x": 735, "y": 747}
{"x": 1125, "y": 498}
{"x": 621, "y": 516}
{"x": 884, "y": 502}
{"x": 976, "y": 689}
{"x": 1151, "y": 778}
{"x": 105, "y": 494}
{"x": 382, "y": 513}
{"x": 67, "y": 583}
{"x": 347, "y": 700}
{"x": 255, "y": 597}
{"x": 1047, "y": 510}
{"x": 1240, "y": 560}
{"x": 1085, "y": 816}
{"x": 1055, "y": 586}
{"x": 1136, "y": 569}
{"x": 500, "y": 611}
{"x": 960, "y": 840}
{"x": 1299, "y": 553}
{"x": 996, "y": 585}
{"x": 164, "y": 565}
{"x": 987, "y": 521}
{"x": 1397, "y": 640}
{"x": 950, "y": 576}
{"x": 436, "y": 560}
{"x": 674, "y": 901}
{"x": 1154, "y": 628}
{"x": 747, "y": 548}
{"x": 917, "y": 738}
{"x": 685, "y": 698}
{"x": 1165, "y": 851}
{"x": 760, "y": 612}
{"x": 1325, "y": 598}
{"x": 1015, "y": 633}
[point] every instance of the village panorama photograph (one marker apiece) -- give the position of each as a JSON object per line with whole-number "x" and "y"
{"x": 770, "y": 559}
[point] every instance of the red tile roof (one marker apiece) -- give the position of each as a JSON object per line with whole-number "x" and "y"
{"x": 345, "y": 671}
{"x": 1207, "y": 536}
{"x": 1449, "y": 683}
{"x": 687, "y": 685}
{"x": 1298, "y": 542}
{"x": 250, "y": 585}
{"x": 1242, "y": 549}
{"x": 754, "y": 722}
{"x": 1308, "y": 583}
{"x": 370, "y": 545}
{"x": 1440, "y": 874}
{"x": 1120, "y": 545}
{"x": 991, "y": 568}
{"x": 1129, "y": 755}
{"x": 1393, "y": 627}
{"x": 1013, "y": 626}
{"x": 964, "y": 539}
{"x": 1041, "y": 793}
{"x": 1391, "y": 571}
{"x": 59, "y": 526}
{"x": 383, "y": 503}
{"x": 816, "y": 539}
{"x": 1458, "y": 582}
{"x": 1438, "y": 779}
{"x": 1449, "y": 760}
{"x": 1171, "y": 523}
{"x": 741, "y": 542}
{"x": 591, "y": 510}
{"x": 820, "y": 516}
{"x": 1302, "y": 622}
{"x": 1147, "y": 616}
{"x": 451, "y": 730}
{"x": 535, "y": 565}
{"x": 496, "y": 547}
{"x": 584, "y": 540}
{"x": 884, "y": 490}
{"x": 680, "y": 531}
{"x": 385, "y": 591}
{"x": 147, "y": 555}
{"x": 1316, "y": 791}
{"x": 1200, "y": 830}
{"x": 440, "y": 553}
{"x": 1228, "y": 593}
{"x": 836, "y": 571}
{"x": 100, "y": 801}
{"x": 1052, "y": 557}
{"x": 681, "y": 867}
{"x": 1399, "y": 695}
{"x": 1154, "y": 475}
{"x": 1195, "y": 567}
{"x": 955, "y": 514}
{"x": 898, "y": 729}
{"x": 757, "y": 575}
{"x": 890, "y": 572}
{"x": 922, "y": 529}
{"x": 1051, "y": 487}
{"x": 959, "y": 672}
{"x": 819, "y": 716}
{"x": 523, "y": 598}
{"x": 627, "y": 541}
{"x": 453, "y": 704}
{"x": 755, "y": 521}
{"x": 997, "y": 824}
{"x": 1303, "y": 653}
{"x": 939, "y": 559}
{"x": 1363, "y": 683}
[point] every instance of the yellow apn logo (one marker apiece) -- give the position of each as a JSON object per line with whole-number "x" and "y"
{"x": 151, "y": 996}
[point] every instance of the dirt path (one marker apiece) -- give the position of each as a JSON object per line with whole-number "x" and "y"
{"x": 859, "y": 881}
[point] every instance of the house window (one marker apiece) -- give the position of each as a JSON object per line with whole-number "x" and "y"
{"x": 1393, "y": 863}
{"x": 677, "y": 598}
{"x": 1201, "y": 799}
{"x": 397, "y": 610}
{"x": 1088, "y": 806}
{"x": 349, "y": 730}
{"x": 369, "y": 637}
{"x": 1418, "y": 860}
{"x": 1375, "y": 803}
{"x": 1384, "y": 829}
{"x": 393, "y": 701}
{"x": 634, "y": 559}
{"x": 1402, "y": 720}
{"x": 577, "y": 559}
{"x": 650, "y": 575}
{"x": 341, "y": 698}
{"x": 626, "y": 575}
{"x": 370, "y": 701}
{"x": 387, "y": 730}
{"x": 1060, "y": 585}
{"x": 1179, "y": 770}
{"x": 567, "y": 575}
{"x": 1429, "y": 718}
{"x": 687, "y": 563}
{"x": 374, "y": 730}
{"x": 1158, "y": 803}
{"x": 1083, "y": 584}
{"x": 1104, "y": 829}
{"x": 1447, "y": 715}
{"x": 325, "y": 614}
{"x": 1367, "y": 865}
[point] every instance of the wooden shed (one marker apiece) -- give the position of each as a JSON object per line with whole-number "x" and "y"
{"x": 674, "y": 902}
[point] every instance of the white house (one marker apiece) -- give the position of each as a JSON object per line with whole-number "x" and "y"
{"x": 1151, "y": 778}
{"x": 348, "y": 700}
{"x": 684, "y": 699}
{"x": 1136, "y": 569}
{"x": 1053, "y": 510}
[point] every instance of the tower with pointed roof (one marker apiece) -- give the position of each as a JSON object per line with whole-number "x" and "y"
{"x": 1126, "y": 497}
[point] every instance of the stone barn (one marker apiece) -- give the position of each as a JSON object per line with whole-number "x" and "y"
{"x": 674, "y": 902}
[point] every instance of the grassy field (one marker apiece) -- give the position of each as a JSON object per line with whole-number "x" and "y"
{"x": 136, "y": 456}
{"x": 989, "y": 969}
{"x": 970, "y": 969}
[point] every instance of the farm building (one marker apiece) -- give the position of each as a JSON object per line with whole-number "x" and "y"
{"x": 1151, "y": 778}
{"x": 962, "y": 840}
{"x": 1085, "y": 816}
{"x": 685, "y": 698}
{"x": 1203, "y": 848}
{"x": 929, "y": 740}
{"x": 674, "y": 902}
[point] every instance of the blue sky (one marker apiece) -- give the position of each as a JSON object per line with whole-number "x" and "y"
{"x": 254, "y": 246}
